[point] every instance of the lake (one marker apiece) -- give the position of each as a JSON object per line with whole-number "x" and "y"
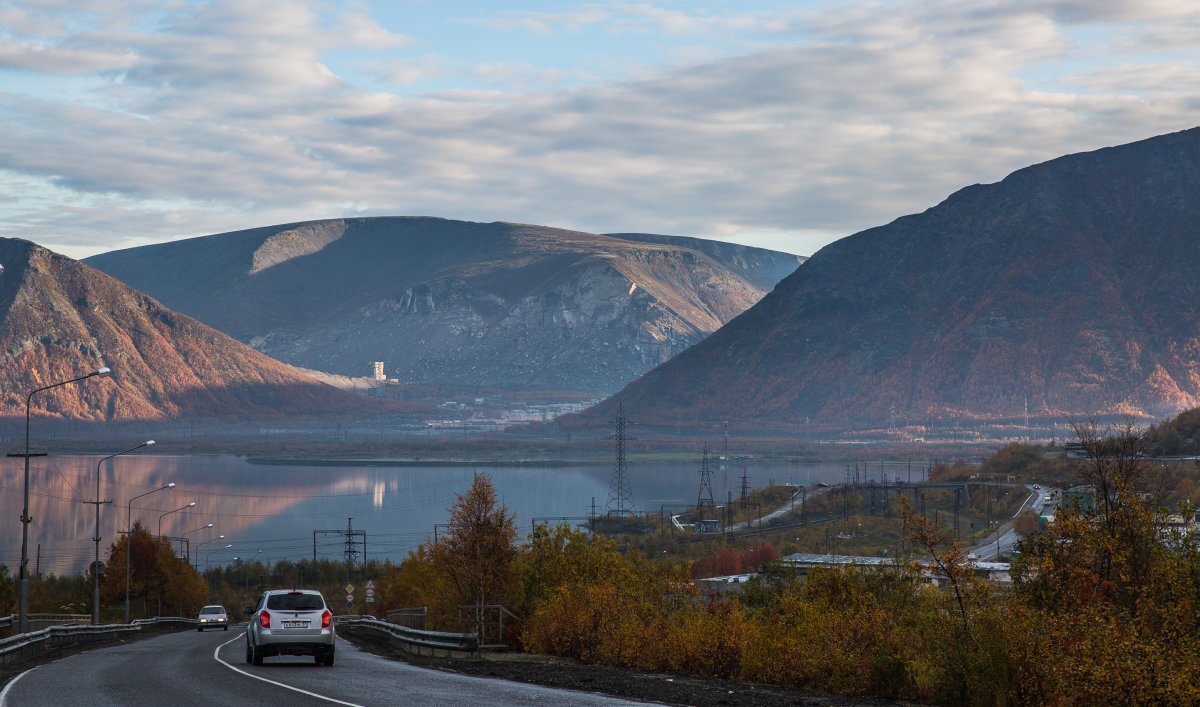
{"x": 275, "y": 508}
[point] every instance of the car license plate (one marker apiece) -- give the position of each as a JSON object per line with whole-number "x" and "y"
{"x": 295, "y": 624}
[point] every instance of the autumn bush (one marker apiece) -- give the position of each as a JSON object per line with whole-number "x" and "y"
{"x": 1103, "y": 608}
{"x": 729, "y": 560}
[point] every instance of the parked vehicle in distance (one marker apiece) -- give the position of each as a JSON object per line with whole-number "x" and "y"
{"x": 212, "y": 616}
{"x": 290, "y": 622}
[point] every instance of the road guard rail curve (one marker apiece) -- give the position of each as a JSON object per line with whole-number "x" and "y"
{"x": 437, "y": 644}
{"x": 27, "y": 645}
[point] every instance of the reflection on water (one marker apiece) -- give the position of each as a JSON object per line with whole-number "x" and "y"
{"x": 275, "y": 509}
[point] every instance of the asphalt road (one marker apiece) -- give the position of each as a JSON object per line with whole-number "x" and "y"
{"x": 1008, "y": 537}
{"x": 191, "y": 668}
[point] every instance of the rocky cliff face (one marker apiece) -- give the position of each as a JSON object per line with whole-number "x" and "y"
{"x": 1069, "y": 284}
{"x": 760, "y": 267}
{"x": 60, "y": 319}
{"x": 444, "y": 301}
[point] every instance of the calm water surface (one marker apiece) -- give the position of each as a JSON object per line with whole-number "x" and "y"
{"x": 276, "y": 508}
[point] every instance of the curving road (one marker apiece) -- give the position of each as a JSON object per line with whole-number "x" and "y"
{"x": 1038, "y": 498}
{"x": 191, "y": 668}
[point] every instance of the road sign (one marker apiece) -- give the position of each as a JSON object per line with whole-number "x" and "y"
{"x": 370, "y": 584}
{"x": 370, "y": 600}
{"x": 370, "y": 591}
{"x": 349, "y": 605}
{"x": 349, "y": 588}
{"x": 349, "y": 598}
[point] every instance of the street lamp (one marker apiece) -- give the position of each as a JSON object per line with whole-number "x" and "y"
{"x": 96, "y": 538}
{"x": 23, "y": 583}
{"x": 164, "y": 515}
{"x": 210, "y": 553}
{"x": 189, "y": 545}
{"x": 200, "y": 545}
{"x": 129, "y": 539}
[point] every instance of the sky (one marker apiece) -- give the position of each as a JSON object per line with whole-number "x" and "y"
{"x": 779, "y": 124}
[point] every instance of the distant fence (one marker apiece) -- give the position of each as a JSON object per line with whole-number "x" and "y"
{"x": 23, "y": 646}
{"x": 428, "y": 643}
{"x": 412, "y": 617}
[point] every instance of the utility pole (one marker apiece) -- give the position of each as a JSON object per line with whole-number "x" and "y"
{"x": 745, "y": 487}
{"x": 729, "y": 511}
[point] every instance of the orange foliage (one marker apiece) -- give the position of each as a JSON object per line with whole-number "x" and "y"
{"x": 729, "y": 561}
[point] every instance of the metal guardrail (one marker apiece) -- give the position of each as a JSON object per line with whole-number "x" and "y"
{"x": 25, "y": 645}
{"x": 411, "y": 640}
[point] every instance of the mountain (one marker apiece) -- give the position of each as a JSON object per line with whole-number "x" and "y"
{"x": 760, "y": 267}
{"x": 1070, "y": 284}
{"x": 454, "y": 302}
{"x": 60, "y": 319}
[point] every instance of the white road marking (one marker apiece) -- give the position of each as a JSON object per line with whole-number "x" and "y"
{"x": 217, "y": 658}
{"x": 4, "y": 692}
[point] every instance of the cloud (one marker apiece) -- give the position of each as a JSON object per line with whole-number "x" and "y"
{"x": 227, "y": 115}
{"x": 63, "y": 58}
{"x": 545, "y": 22}
{"x": 642, "y": 17}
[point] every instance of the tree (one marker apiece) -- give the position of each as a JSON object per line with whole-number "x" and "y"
{"x": 8, "y": 596}
{"x": 1103, "y": 551}
{"x": 476, "y": 555}
{"x": 950, "y": 563}
{"x": 156, "y": 574}
{"x": 1027, "y": 524}
{"x": 417, "y": 583}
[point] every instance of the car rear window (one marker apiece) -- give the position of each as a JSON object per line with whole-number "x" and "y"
{"x": 212, "y": 610}
{"x": 295, "y": 602}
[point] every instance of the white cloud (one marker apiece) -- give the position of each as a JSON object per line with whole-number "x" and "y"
{"x": 546, "y": 22}
{"x": 226, "y": 115}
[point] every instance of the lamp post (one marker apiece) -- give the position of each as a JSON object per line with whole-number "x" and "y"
{"x": 96, "y": 537}
{"x": 210, "y": 554}
{"x": 129, "y": 539}
{"x": 23, "y": 582}
{"x": 164, "y": 515}
{"x": 200, "y": 545}
{"x": 189, "y": 544}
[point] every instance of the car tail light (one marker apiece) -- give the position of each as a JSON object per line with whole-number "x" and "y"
{"x": 264, "y": 619}
{"x": 326, "y": 619}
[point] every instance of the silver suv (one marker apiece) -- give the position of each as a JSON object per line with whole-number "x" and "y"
{"x": 290, "y": 622}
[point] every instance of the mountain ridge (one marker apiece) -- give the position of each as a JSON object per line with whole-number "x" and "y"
{"x": 1066, "y": 283}
{"x": 60, "y": 318}
{"x": 443, "y": 301}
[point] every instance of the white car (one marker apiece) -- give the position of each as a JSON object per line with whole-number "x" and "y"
{"x": 212, "y": 616}
{"x": 290, "y": 622}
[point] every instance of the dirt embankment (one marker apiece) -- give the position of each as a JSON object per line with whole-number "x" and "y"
{"x": 667, "y": 688}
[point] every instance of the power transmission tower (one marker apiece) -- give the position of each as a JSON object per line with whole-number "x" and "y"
{"x": 351, "y": 541}
{"x": 705, "y": 497}
{"x": 620, "y": 494}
